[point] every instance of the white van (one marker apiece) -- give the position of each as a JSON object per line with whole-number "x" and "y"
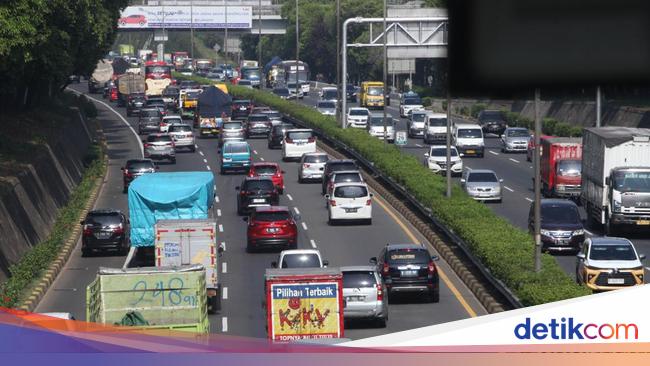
{"x": 468, "y": 139}
{"x": 298, "y": 142}
{"x": 435, "y": 128}
{"x": 349, "y": 201}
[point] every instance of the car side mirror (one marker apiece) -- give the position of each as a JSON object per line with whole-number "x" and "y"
{"x": 157, "y": 167}
{"x": 462, "y": 180}
{"x": 282, "y": 171}
{"x": 122, "y": 168}
{"x": 297, "y": 217}
{"x": 326, "y": 263}
{"x": 237, "y": 188}
{"x": 426, "y": 155}
{"x": 373, "y": 260}
{"x": 435, "y": 258}
{"x": 461, "y": 154}
{"x": 641, "y": 257}
{"x": 274, "y": 264}
{"x": 218, "y": 151}
{"x": 581, "y": 256}
{"x": 245, "y": 218}
{"x": 144, "y": 141}
{"x": 327, "y": 196}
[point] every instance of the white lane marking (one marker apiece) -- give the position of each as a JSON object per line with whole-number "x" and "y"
{"x": 261, "y": 159}
{"x": 531, "y": 167}
{"x": 304, "y": 226}
{"x": 528, "y": 199}
{"x": 205, "y": 161}
{"x": 196, "y": 146}
{"x": 137, "y": 137}
{"x": 297, "y": 211}
{"x": 223, "y": 244}
{"x": 224, "y": 267}
{"x": 224, "y": 324}
{"x": 418, "y": 145}
{"x": 589, "y": 232}
{"x": 313, "y": 243}
{"x": 493, "y": 153}
{"x": 201, "y": 153}
{"x": 216, "y": 198}
{"x": 508, "y": 188}
{"x": 207, "y": 166}
{"x": 255, "y": 152}
{"x": 220, "y": 228}
{"x": 515, "y": 160}
{"x": 224, "y": 293}
{"x": 218, "y": 212}
{"x": 289, "y": 197}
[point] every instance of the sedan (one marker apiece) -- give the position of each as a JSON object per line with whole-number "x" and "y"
{"x": 482, "y": 185}
{"x": 515, "y": 139}
{"x": 282, "y": 92}
{"x": 182, "y": 135}
{"x": 258, "y": 125}
{"x": 271, "y": 227}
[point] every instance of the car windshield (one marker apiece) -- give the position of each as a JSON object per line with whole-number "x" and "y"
{"x": 375, "y": 90}
{"x": 412, "y": 101}
{"x": 172, "y": 120}
{"x": 327, "y": 105}
{"x": 347, "y": 177}
{"x": 170, "y": 92}
{"x": 404, "y": 256}
{"x": 379, "y": 121}
{"x": 443, "y": 152}
{"x": 491, "y": 116}
{"x": 618, "y": 252}
{"x": 282, "y": 91}
{"x": 418, "y": 117}
{"x": 139, "y": 165}
{"x": 631, "y": 181}
{"x": 270, "y": 216}
{"x": 232, "y": 126}
{"x": 265, "y": 169}
{"x": 273, "y": 115}
{"x": 159, "y": 138}
{"x": 236, "y": 149}
{"x": 155, "y": 102}
{"x": 569, "y": 168}
{"x": 258, "y": 185}
{"x": 150, "y": 113}
{"x": 316, "y": 159}
{"x": 240, "y": 103}
{"x": 351, "y": 192}
{"x": 302, "y": 135}
{"x": 518, "y": 133}
{"x": 359, "y": 279}
{"x": 437, "y": 122}
{"x": 258, "y": 118}
{"x": 329, "y": 94}
{"x": 180, "y": 128}
{"x": 482, "y": 177}
{"x": 300, "y": 261}
{"x": 359, "y": 112}
{"x": 560, "y": 214}
{"x": 192, "y": 95}
{"x": 103, "y": 219}
{"x": 470, "y": 133}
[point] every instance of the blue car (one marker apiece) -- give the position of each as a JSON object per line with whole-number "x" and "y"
{"x": 235, "y": 155}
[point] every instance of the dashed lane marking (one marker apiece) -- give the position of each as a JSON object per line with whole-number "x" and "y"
{"x": 223, "y": 245}
{"x": 224, "y": 267}
{"x": 224, "y": 293}
{"x": 304, "y": 226}
{"x": 508, "y": 188}
{"x": 218, "y": 212}
{"x": 313, "y": 243}
{"x": 205, "y": 161}
{"x": 224, "y": 324}
{"x": 261, "y": 159}
{"x": 289, "y": 197}
{"x": 515, "y": 160}
{"x": 297, "y": 211}
{"x": 207, "y": 166}
{"x": 220, "y": 228}
{"x": 493, "y": 153}
{"x": 201, "y": 153}
{"x": 216, "y": 199}
{"x": 528, "y": 199}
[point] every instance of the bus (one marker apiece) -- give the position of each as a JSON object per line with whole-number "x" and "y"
{"x": 157, "y": 75}
{"x": 296, "y": 70}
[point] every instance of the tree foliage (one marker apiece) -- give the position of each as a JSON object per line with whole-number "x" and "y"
{"x": 42, "y": 42}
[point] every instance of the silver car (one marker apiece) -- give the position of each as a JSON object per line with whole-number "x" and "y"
{"x": 275, "y": 116}
{"x": 182, "y": 135}
{"x": 415, "y": 123}
{"x": 482, "y": 185}
{"x": 312, "y": 166}
{"x": 376, "y": 127}
{"x": 326, "y": 107}
{"x": 364, "y": 294}
{"x": 232, "y": 131}
{"x": 159, "y": 146}
{"x": 515, "y": 139}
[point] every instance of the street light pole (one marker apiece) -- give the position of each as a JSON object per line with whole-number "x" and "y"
{"x": 385, "y": 58}
{"x": 341, "y": 90}
{"x": 259, "y": 41}
{"x": 225, "y": 32}
{"x": 538, "y": 198}
{"x": 448, "y": 142}
{"x": 297, "y": 49}
{"x": 192, "y": 29}
{"x": 598, "y": 109}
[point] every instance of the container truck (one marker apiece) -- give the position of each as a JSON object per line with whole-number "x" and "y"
{"x": 616, "y": 176}
{"x": 303, "y": 303}
{"x": 167, "y": 298}
{"x": 560, "y": 163}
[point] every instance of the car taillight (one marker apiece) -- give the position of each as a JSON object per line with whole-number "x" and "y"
{"x": 332, "y": 203}
{"x": 173, "y": 144}
{"x": 311, "y": 139}
{"x": 243, "y": 193}
{"x": 380, "y": 292}
{"x": 289, "y": 141}
{"x": 306, "y": 165}
{"x": 119, "y": 230}
{"x": 146, "y": 145}
{"x": 431, "y": 268}
{"x": 385, "y": 269}
{"x": 368, "y": 202}
{"x": 88, "y": 231}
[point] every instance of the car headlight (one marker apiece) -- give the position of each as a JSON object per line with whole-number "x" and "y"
{"x": 617, "y": 206}
{"x": 578, "y": 232}
{"x": 545, "y": 232}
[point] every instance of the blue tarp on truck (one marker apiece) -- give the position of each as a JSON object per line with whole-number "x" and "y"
{"x": 167, "y": 196}
{"x": 213, "y": 102}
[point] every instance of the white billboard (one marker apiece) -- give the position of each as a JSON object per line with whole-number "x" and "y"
{"x": 200, "y": 17}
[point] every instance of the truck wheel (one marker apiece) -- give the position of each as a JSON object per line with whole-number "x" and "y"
{"x": 173, "y": 160}
{"x": 610, "y": 230}
{"x": 214, "y": 302}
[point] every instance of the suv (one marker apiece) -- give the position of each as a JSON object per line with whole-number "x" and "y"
{"x": 241, "y": 108}
{"x": 482, "y": 184}
{"x": 277, "y": 134}
{"x": 300, "y": 258}
{"x": 271, "y": 227}
{"x": 410, "y": 102}
{"x": 270, "y": 170}
{"x": 312, "y": 166}
{"x": 335, "y": 165}
{"x": 297, "y": 142}
{"x": 357, "y": 117}
{"x": 408, "y": 268}
{"x": 170, "y": 96}
{"x": 436, "y": 160}
{"x": 607, "y": 263}
{"x": 149, "y": 120}
{"x": 232, "y": 131}
{"x": 258, "y": 124}
{"x": 343, "y": 176}
{"x": 169, "y": 120}
{"x": 160, "y": 146}
{"x": 364, "y": 294}
{"x": 104, "y": 229}
{"x": 254, "y": 192}
{"x": 182, "y": 135}
{"x": 349, "y": 201}
{"x": 135, "y": 168}
{"x": 492, "y": 121}
{"x": 515, "y": 139}
{"x": 415, "y": 124}
{"x": 561, "y": 225}
{"x": 435, "y": 128}
{"x": 134, "y": 103}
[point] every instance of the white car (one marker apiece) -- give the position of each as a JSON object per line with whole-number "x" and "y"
{"x": 292, "y": 91}
{"x": 326, "y": 107}
{"x": 300, "y": 258}
{"x": 468, "y": 139}
{"x": 435, "y": 128}
{"x": 436, "y": 160}
{"x": 376, "y": 127}
{"x": 312, "y": 166}
{"x": 183, "y": 136}
{"x": 408, "y": 104}
{"x": 349, "y": 201}
{"x": 168, "y": 121}
{"x": 343, "y": 176}
{"x": 297, "y": 142}
{"x": 415, "y": 123}
{"x": 329, "y": 93}
{"x": 357, "y": 117}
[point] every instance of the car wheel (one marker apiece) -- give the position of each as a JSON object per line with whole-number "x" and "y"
{"x": 281, "y": 191}
{"x": 240, "y": 212}
{"x": 192, "y": 148}
{"x": 222, "y": 170}
{"x": 300, "y": 180}
{"x": 249, "y": 248}
{"x": 124, "y": 250}
{"x": 381, "y": 322}
{"x": 435, "y": 295}
{"x": 368, "y": 222}
{"x": 330, "y": 221}
{"x": 85, "y": 253}
{"x": 173, "y": 160}
{"x": 125, "y": 189}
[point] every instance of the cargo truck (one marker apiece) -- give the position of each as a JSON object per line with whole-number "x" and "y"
{"x": 129, "y": 84}
{"x": 103, "y": 73}
{"x": 560, "y": 166}
{"x": 616, "y": 176}
{"x": 167, "y": 298}
{"x": 303, "y": 303}
{"x": 371, "y": 95}
{"x": 213, "y": 109}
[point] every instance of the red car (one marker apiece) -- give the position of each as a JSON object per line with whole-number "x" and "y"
{"x": 112, "y": 94}
{"x": 269, "y": 170}
{"x": 133, "y": 19}
{"x": 270, "y": 227}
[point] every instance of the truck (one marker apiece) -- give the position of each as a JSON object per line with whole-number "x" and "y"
{"x": 371, "y": 95}
{"x": 616, "y": 177}
{"x": 126, "y": 49}
{"x": 303, "y": 303}
{"x": 129, "y": 84}
{"x": 213, "y": 109}
{"x": 103, "y": 73}
{"x": 178, "y": 58}
{"x": 166, "y": 298}
{"x": 560, "y": 166}
{"x": 188, "y": 100}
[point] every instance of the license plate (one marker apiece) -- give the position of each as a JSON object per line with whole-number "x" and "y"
{"x": 355, "y": 298}
{"x": 409, "y": 273}
{"x": 351, "y": 210}
{"x": 259, "y": 200}
{"x": 470, "y": 152}
{"x": 643, "y": 222}
{"x": 272, "y": 230}
{"x": 615, "y": 281}
{"x": 242, "y": 108}
{"x": 103, "y": 235}
{"x": 562, "y": 242}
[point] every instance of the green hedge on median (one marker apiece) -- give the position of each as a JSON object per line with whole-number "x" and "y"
{"x": 506, "y": 250}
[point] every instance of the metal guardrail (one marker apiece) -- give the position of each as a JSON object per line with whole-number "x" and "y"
{"x": 449, "y": 235}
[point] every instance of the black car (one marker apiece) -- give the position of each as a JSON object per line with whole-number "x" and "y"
{"x": 241, "y": 108}
{"x": 258, "y": 125}
{"x": 282, "y": 92}
{"x": 408, "y": 268}
{"x": 277, "y": 135}
{"x": 157, "y": 103}
{"x": 170, "y": 96}
{"x": 149, "y": 120}
{"x": 561, "y": 225}
{"x": 254, "y": 192}
{"x": 189, "y": 84}
{"x": 336, "y": 165}
{"x": 351, "y": 93}
{"x": 492, "y": 121}
{"x": 135, "y": 168}
{"x": 104, "y": 230}
{"x": 134, "y": 103}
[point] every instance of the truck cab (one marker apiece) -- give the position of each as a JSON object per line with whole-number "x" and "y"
{"x": 372, "y": 95}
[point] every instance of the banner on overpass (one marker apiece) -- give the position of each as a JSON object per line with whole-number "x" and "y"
{"x": 201, "y": 17}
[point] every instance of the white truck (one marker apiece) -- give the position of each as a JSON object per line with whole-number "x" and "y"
{"x": 616, "y": 176}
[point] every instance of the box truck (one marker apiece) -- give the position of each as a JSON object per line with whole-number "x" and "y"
{"x": 560, "y": 166}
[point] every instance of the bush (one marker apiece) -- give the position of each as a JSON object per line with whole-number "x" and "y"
{"x": 550, "y": 126}
{"x": 506, "y": 250}
{"x": 427, "y": 101}
{"x": 464, "y": 111}
{"x": 444, "y": 105}
{"x": 476, "y": 109}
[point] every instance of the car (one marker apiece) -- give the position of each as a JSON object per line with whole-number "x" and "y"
{"x": 159, "y": 146}
{"x": 492, "y": 121}
{"x": 113, "y": 94}
{"x": 410, "y": 101}
{"x": 515, "y": 139}
{"x": 351, "y": 93}
{"x": 609, "y": 263}
{"x": 292, "y": 91}
{"x": 435, "y": 128}
{"x": 343, "y": 176}
{"x": 329, "y": 93}
{"x": 270, "y": 170}
{"x": 468, "y": 139}
{"x": 254, "y": 192}
{"x": 170, "y": 96}
{"x": 271, "y": 227}
{"x": 134, "y": 103}
{"x": 138, "y": 19}
{"x": 357, "y": 117}
{"x": 259, "y": 109}
{"x": 436, "y": 160}
{"x": 235, "y": 155}
{"x": 282, "y": 92}
{"x": 482, "y": 185}
{"x": 300, "y": 258}
{"x": 258, "y": 125}
{"x": 155, "y": 102}
{"x": 276, "y": 136}
{"x": 167, "y": 121}
{"x": 326, "y": 107}
{"x": 297, "y": 142}
{"x": 364, "y": 294}
{"x": 408, "y": 268}
{"x": 104, "y": 229}
{"x": 108, "y": 86}
{"x": 312, "y": 166}
{"x": 232, "y": 131}
{"x": 349, "y": 201}
{"x": 561, "y": 225}
{"x": 376, "y": 128}
{"x": 241, "y": 108}
{"x": 215, "y": 75}
{"x": 336, "y": 165}
{"x": 245, "y": 83}
{"x": 149, "y": 120}
{"x": 183, "y": 136}
{"x": 415, "y": 124}
{"x": 531, "y": 147}
{"x": 274, "y": 116}
{"x": 189, "y": 84}
{"x": 135, "y": 168}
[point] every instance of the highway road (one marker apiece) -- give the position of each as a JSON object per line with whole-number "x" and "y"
{"x": 513, "y": 168}
{"x": 242, "y": 273}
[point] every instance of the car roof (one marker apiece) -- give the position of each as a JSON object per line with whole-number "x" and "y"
{"x": 405, "y": 246}
{"x": 300, "y": 251}
{"x": 347, "y": 172}
{"x": 150, "y": 109}
{"x": 172, "y": 117}
{"x": 139, "y": 161}
{"x": 349, "y": 184}
{"x": 300, "y": 130}
{"x": 517, "y": 128}
{"x": 239, "y": 142}
{"x": 358, "y": 268}
{"x": 557, "y": 201}
{"x": 100, "y": 211}
{"x": 271, "y": 209}
{"x": 436, "y": 115}
{"x": 608, "y": 240}
{"x": 257, "y": 115}
{"x": 467, "y": 125}
{"x": 315, "y": 154}
{"x": 265, "y": 163}
{"x": 481, "y": 171}
{"x": 246, "y": 179}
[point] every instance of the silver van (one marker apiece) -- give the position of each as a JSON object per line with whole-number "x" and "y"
{"x": 364, "y": 294}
